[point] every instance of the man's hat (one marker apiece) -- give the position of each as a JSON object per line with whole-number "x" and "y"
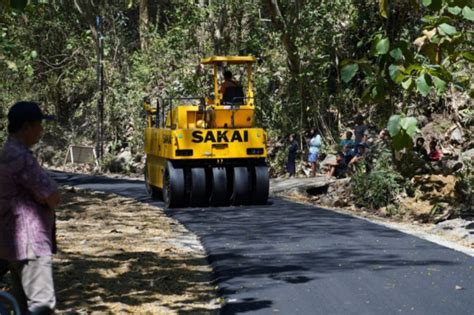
{"x": 26, "y": 111}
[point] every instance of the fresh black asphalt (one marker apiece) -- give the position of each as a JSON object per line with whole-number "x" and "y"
{"x": 290, "y": 258}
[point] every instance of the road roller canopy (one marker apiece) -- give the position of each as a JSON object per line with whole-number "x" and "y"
{"x": 228, "y": 60}
{"x": 216, "y": 62}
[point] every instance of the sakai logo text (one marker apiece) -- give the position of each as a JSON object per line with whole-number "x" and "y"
{"x": 220, "y": 136}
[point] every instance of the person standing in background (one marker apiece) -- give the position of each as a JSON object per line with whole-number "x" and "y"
{"x": 28, "y": 197}
{"x": 292, "y": 150}
{"x": 314, "y": 145}
{"x": 360, "y": 130}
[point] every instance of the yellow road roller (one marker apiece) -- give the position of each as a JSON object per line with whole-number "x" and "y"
{"x": 206, "y": 151}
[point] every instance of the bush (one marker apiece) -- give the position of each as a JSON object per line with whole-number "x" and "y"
{"x": 465, "y": 186}
{"x": 380, "y": 187}
{"x": 278, "y": 162}
{"x": 377, "y": 188}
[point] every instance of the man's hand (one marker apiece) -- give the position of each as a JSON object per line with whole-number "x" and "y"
{"x": 355, "y": 159}
{"x": 52, "y": 201}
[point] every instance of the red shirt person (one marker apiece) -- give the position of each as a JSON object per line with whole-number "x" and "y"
{"x": 27, "y": 199}
{"x": 435, "y": 153}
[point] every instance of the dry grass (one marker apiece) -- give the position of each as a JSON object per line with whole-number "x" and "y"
{"x": 121, "y": 256}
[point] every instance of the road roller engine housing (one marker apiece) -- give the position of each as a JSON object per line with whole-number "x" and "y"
{"x": 206, "y": 150}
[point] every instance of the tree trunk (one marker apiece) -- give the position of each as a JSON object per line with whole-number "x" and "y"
{"x": 279, "y": 23}
{"x": 218, "y": 24}
{"x": 143, "y": 24}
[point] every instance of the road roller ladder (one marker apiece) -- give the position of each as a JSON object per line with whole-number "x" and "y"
{"x": 206, "y": 151}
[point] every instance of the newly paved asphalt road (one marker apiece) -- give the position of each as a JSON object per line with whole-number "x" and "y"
{"x": 289, "y": 258}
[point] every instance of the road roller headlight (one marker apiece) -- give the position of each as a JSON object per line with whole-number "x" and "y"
{"x": 255, "y": 151}
{"x": 184, "y": 152}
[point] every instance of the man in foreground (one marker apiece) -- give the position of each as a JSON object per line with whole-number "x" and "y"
{"x": 28, "y": 197}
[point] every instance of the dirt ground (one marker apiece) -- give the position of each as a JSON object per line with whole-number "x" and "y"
{"x": 118, "y": 255}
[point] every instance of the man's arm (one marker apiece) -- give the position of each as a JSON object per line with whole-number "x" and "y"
{"x": 35, "y": 179}
{"x": 331, "y": 171}
{"x": 354, "y": 160}
{"x": 223, "y": 87}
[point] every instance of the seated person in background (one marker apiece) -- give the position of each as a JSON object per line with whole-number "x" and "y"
{"x": 347, "y": 152}
{"x": 348, "y": 140}
{"x": 357, "y": 145}
{"x": 359, "y": 155}
{"x": 434, "y": 154}
{"x": 419, "y": 149}
{"x": 228, "y": 81}
{"x": 339, "y": 168}
{"x": 232, "y": 92}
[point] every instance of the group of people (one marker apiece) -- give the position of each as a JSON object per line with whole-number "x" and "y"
{"x": 351, "y": 154}
{"x": 353, "y": 151}
{"x": 314, "y": 145}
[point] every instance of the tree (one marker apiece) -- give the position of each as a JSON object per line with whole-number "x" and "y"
{"x": 293, "y": 57}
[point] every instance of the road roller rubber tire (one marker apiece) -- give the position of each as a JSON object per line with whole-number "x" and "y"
{"x": 260, "y": 185}
{"x": 219, "y": 192}
{"x": 173, "y": 186}
{"x": 240, "y": 186}
{"x": 198, "y": 194}
{"x": 152, "y": 191}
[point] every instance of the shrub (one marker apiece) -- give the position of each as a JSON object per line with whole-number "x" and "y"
{"x": 278, "y": 162}
{"x": 464, "y": 188}
{"x": 380, "y": 187}
{"x": 377, "y": 188}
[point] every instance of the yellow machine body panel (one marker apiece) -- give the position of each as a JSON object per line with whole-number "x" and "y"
{"x": 188, "y": 117}
{"x": 188, "y": 144}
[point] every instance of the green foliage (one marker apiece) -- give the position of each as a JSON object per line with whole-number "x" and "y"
{"x": 383, "y": 7}
{"x": 464, "y": 187}
{"x": 376, "y": 189}
{"x": 402, "y": 62}
{"x": 422, "y": 84}
{"x": 278, "y": 163}
{"x": 3, "y": 126}
{"x": 468, "y": 13}
{"x": 349, "y": 71}
{"x": 402, "y": 130}
{"x": 350, "y": 57}
{"x": 382, "y": 45}
{"x": 379, "y": 187}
